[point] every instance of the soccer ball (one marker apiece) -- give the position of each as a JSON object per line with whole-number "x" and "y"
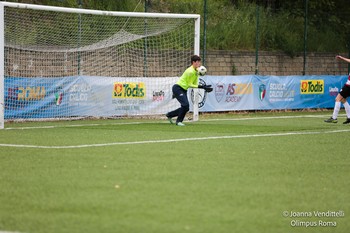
{"x": 202, "y": 70}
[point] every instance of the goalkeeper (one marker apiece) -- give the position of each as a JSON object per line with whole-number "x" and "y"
{"x": 189, "y": 79}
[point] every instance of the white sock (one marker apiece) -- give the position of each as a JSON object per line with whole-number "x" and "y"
{"x": 347, "y": 109}
{"x": 336, "y": 110}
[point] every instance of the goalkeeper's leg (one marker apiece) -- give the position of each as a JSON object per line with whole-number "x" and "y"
{"x": 185, "y": 107}
{"x": 181, "y": 96}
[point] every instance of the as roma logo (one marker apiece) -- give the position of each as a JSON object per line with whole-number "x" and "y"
{"x": 219, "y": 91}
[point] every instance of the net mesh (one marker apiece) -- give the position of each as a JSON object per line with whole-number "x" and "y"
{"x": 62, "y": 65}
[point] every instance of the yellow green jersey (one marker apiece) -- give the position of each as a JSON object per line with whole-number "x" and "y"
{"x": 189, "y": 78}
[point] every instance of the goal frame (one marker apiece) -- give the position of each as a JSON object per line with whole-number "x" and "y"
{"x": 196, "y": 48}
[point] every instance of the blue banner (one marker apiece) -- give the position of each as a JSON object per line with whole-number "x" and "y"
{"x": 35, "y": 97}
{"x": 81, "y": 96}
{"x": 255, "y": 92}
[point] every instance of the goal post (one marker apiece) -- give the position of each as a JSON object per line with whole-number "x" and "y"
{"x": 64, "y": 63}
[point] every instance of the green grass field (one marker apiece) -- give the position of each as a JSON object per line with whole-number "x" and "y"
{"x": 225, "y": 173}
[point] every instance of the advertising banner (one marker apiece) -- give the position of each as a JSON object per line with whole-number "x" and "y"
{"x": 87, "y": 96}
{"x": 254, "y": 92}
{"x": 81, "y": 96}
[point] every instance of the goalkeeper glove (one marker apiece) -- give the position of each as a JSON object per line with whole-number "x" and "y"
{"x": 203, "y": 86}
{"x": 207, "y": 88}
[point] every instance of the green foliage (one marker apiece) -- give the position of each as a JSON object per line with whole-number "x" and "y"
{"x": 230, "y": 27}
{"x": 232, "y": 24}
{"x": 281, "y": 32}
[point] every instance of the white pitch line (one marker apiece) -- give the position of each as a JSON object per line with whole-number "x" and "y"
{"x": 9, "y": 232}
{"x": 72, "y": 126}
{"x": 267, "y": 118}
{"x": 174, "y": 140}
{"x": 165, "y": 122}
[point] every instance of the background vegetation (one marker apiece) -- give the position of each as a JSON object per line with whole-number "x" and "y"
{"x": 270, "y": 25}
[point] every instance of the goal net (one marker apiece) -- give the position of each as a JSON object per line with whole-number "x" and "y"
{"x": 63, "y": 63}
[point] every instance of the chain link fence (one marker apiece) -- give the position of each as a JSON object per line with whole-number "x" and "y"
{"x": 268, "y": 37}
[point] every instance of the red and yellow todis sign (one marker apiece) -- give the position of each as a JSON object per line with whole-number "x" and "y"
{"x": 129, "y": 90}
{"x": 312, "y": 86}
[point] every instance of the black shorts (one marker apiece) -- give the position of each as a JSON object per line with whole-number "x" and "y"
{"x": 345, "y": 91}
